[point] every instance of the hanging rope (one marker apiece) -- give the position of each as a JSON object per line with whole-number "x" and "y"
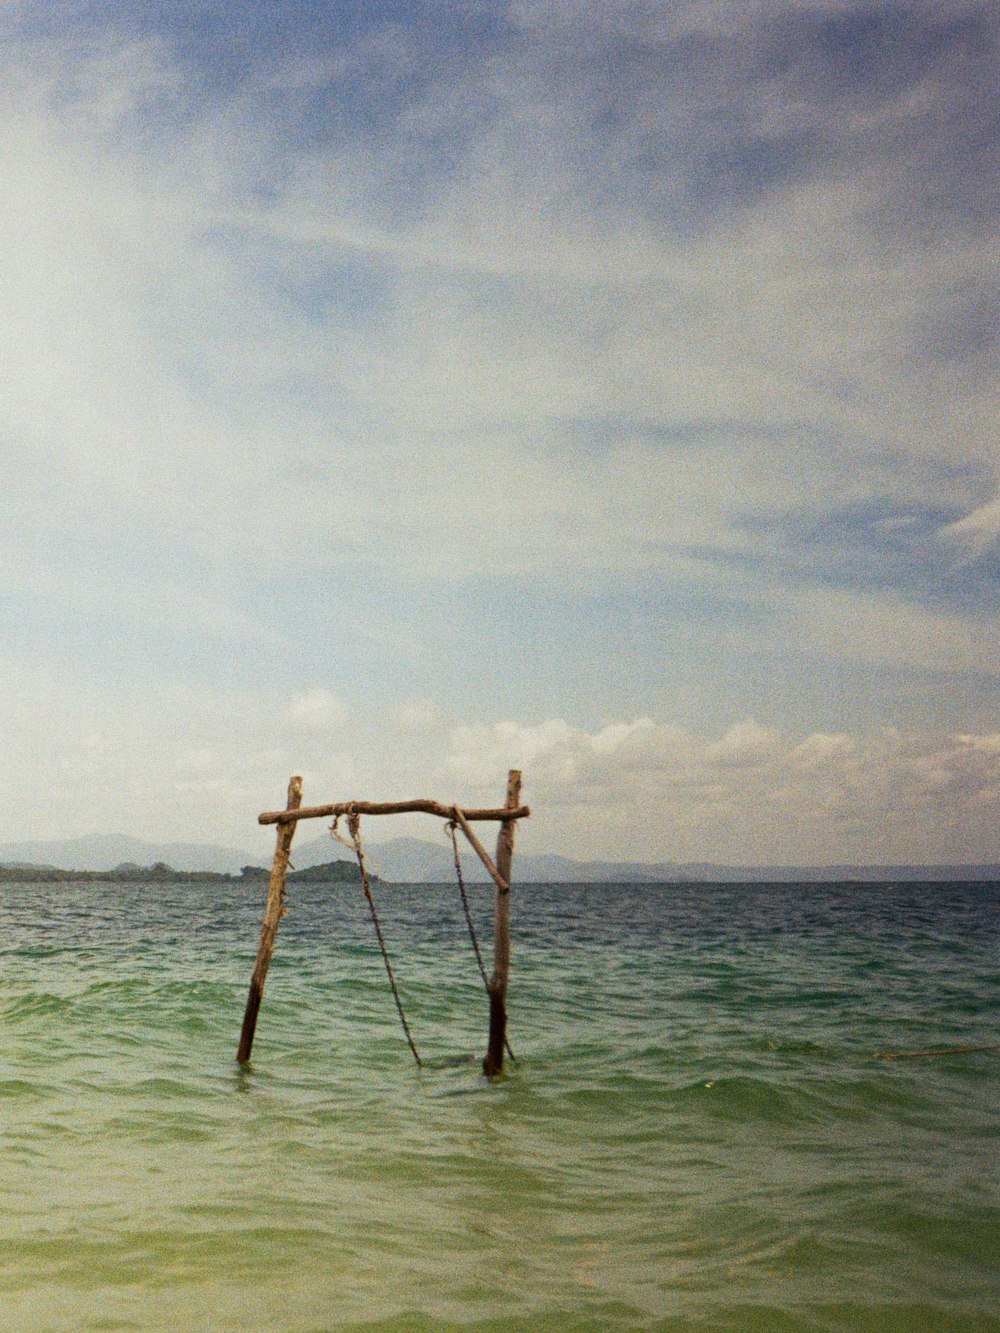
{"x": 452, "y": 828}
{"x": 354, "y": 828}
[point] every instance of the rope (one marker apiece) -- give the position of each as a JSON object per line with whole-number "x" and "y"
{"x": 452, "y": 829}
{"x": 354, "y": 827}
{"x": 941, "y": 1050}
{"x": 370, "y": 862}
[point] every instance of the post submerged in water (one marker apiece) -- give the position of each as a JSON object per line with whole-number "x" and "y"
{"x": 273, "y": 912}
{"x": 493, "y": 1063}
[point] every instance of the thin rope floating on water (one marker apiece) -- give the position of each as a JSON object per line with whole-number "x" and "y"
{"x": 940, "y": 1050}
{"x": 452, "y": 827}
{"x": 354, "y": 828}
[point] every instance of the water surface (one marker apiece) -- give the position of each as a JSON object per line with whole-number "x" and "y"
{"x": 698, "y": 1133}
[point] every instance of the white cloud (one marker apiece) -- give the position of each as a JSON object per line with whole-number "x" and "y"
{"x": 979, "y": 529}
{"x": 479, "y": 752}
{"x": 418, "y": 716}
{"x": 316, "y": 710}
{"x": 984, "y": 745}
{"x": 201, "y": 764}
{"x": 157, "y": 371}
{"x": 821, "y": 749}
{"x": 746, "y": 744}
{"x": 755, "y": 795}
{"x": 241, "y": 368}
{"x": 866, "y": 625}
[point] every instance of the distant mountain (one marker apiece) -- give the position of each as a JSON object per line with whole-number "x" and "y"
{"x": 418, "y": 861}
{"x": 401, "y": 860}
{"x": 104, "y": 851}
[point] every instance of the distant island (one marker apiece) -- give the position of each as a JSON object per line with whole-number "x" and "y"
{"x": 127, "y": 872}
{"x": 408, "y": 860}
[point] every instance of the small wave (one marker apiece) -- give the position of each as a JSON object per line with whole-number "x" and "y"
{"x": 39, "y": 1004}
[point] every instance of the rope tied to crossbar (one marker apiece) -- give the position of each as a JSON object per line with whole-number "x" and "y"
{"x": 354, "y": 828}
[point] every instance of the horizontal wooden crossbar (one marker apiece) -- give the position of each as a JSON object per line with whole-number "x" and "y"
{"x": 388, "y": 808}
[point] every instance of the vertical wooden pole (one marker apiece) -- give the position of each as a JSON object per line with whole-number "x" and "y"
{"x": 493, "y": 1063}
{"x": 273, "y": 913}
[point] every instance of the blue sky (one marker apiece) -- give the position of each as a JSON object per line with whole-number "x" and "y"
{"x": 394, "y": 393}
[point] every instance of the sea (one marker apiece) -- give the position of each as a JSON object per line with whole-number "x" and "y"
{"x": 702, "y": 1129}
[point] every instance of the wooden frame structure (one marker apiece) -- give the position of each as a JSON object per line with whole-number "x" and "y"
{"x": 499, "y": 871}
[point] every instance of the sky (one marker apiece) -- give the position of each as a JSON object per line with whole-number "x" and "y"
{"x": 396, "y": 393}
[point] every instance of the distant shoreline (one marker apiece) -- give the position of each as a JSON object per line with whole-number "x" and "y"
{"x": 346, "y": 872}
{"x": 161, "y": 873}
{"x": 408, "y": 860}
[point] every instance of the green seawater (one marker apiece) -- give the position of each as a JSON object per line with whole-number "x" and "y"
{"x": 697, "y": 1134}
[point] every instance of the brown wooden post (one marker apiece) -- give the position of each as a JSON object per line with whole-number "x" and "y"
{"x": 493, "y": 1063}
{"x": 273, "y": 913}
